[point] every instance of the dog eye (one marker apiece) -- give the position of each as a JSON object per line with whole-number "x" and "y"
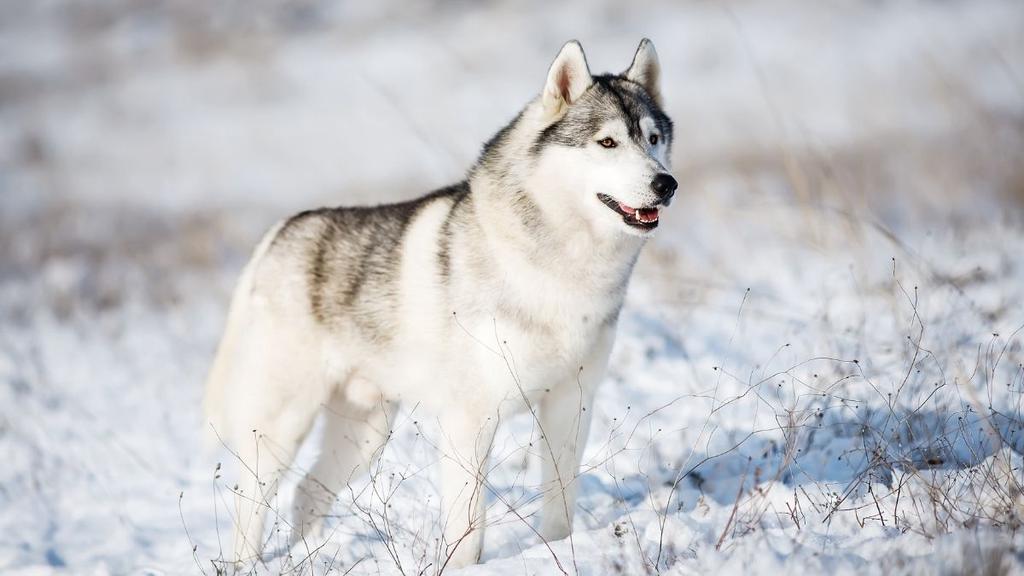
{"x": 654, "y": 139}
{"x": 608, "y": 143}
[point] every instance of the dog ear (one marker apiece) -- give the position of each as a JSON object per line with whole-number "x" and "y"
{"x": 645, "y": 70}
{"x": 568, "y": 78}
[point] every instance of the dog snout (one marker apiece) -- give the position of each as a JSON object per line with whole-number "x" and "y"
{"x": 664, "y": 185}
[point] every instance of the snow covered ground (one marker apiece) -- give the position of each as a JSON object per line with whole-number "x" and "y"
{"x": 820, "y": 367}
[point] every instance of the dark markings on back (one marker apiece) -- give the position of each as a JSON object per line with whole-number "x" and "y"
{"x": 353, "y": 260}
{"x": 459, "y": 192}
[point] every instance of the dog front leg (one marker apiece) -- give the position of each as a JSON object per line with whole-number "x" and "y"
{"x": 565, "y": 421}
{"x": 465, "y": 445}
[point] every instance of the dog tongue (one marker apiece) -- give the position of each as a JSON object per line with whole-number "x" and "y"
{"x": 626, "y": 209}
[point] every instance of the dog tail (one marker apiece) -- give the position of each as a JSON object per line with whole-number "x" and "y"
{"x": 216, "y": 419}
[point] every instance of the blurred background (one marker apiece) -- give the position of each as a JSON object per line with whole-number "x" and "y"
{"x": 823, "y": 149}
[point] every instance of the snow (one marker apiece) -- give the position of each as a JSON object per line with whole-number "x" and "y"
{"x": 819, "y": 367}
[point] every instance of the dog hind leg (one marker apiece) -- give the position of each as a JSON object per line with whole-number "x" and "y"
{"x": 262, "y": 459}
{"x": 466, "y": 444}
{"x": 274, "y": 398}
{"x": 354, "y": 435}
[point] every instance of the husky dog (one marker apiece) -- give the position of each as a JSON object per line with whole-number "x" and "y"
{"x": 496, "y": 295}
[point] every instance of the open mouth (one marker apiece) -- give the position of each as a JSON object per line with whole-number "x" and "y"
{"x": 642, "y": 218}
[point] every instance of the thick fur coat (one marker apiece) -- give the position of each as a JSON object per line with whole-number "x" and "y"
{"x": 496, "y": 295}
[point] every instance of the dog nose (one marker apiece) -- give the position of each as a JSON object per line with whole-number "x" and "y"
{"x": 664, "y": 186}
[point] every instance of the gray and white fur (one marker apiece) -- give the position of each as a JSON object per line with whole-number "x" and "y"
{"x": 481, "y": 300}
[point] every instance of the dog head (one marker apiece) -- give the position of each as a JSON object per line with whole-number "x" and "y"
{"x": 603, "y": 152}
